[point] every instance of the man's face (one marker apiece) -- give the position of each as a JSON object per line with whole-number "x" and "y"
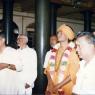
{"x": 53, "y": 41}
{"x": 83, "y": 47}
{"x": 21, "y": 41}
{"x": 61, "y": 37}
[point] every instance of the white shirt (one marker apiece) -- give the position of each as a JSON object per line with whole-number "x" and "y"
{"x": 85, "y": 83}
{"x": 48, "y": 54}
{"x": 9, "y": 78}
{"x": 28, "y": 59}
{"x": 47, "y": 57}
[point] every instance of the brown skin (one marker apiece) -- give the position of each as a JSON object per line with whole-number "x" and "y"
{"x": 53, "y": 40}
{"x": 5, "y": 65}
{"x": 27, "y": 85}
{"x": 63, "y": 44}
{"x": 50, "y": 85}
{"x": 12, "y": 67}
{"x": 65, "y": 81}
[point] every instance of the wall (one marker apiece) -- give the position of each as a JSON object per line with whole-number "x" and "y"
{"x": 76, "y": 25}
{"x": 24, "y": 19}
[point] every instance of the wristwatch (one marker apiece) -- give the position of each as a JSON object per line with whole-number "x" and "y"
{"x": 9, "y": 66}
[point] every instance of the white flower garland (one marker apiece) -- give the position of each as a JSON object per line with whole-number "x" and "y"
{"x": 63, "y": 61}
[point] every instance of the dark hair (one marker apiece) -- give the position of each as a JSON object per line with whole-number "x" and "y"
{"x": 82, "y": 33}
{"x": 90, "y": 38}
{"x": 2, "y": 35}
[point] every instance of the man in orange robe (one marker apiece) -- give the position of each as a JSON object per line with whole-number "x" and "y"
{"x": 62, "y": 64}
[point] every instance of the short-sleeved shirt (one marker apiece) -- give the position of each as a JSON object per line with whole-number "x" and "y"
{"x": 85, "y": 83}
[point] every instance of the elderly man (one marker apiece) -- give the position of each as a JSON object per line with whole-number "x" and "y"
{"x": 85, "y": 83}
{"x": 62, "y": 64}
{"x": 9, "y": 65}
{"x": 28, "y": 59}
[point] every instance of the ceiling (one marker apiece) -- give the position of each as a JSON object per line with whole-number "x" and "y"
{"x": 68, "y": 8}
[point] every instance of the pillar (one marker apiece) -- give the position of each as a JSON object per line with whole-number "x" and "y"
{"x": 7, "y": 20}
{"x": 42, "y": 22}
{"x": 87, "y": 20}
{"x": 53, "y": 12}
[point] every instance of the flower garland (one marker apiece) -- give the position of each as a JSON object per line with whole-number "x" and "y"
{"x": 63, "y": 63}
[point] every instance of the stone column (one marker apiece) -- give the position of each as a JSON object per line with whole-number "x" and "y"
{"x": 8, "y": 19}
{"x": 42, "y": 21}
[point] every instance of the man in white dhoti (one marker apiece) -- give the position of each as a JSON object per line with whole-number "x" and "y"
{"x": 28, "y": 59}
{"x": 9, "y": 65}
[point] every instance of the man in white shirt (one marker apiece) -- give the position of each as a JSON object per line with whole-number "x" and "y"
{"x": 53, "y": 42}
{"x": 85, "y": 82}
{"x": 9, "y": 65}
{"x": 28, "y": 59}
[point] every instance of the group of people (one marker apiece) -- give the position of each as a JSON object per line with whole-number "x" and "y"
{"x": 66, "y": 73}
{"x": 18, "y": 68}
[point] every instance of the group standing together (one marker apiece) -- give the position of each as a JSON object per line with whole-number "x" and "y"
{"x": 66, "y": 73}
{"x": 18, "y": 68}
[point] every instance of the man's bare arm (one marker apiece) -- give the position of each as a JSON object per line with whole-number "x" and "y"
{"x": 6, "y": 65}
{"x": 11, "y": 66}
{"x": 3, "y": 66}
{"x": 64, "y": 82}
